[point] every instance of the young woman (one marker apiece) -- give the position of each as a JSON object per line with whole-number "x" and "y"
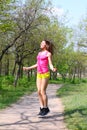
{"x": 44, "y": 59}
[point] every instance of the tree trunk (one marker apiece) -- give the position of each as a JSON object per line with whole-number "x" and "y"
{"x": 13, "y": 72}
{"x": 80, "y": 73}
{"x": 73, "y": 78}
{"x": 7, "y": 67}
{"x": 0, "y": 68}
{"x": 17, "y": 75}
{"x": 54, "y": 75}
{"x": 28, "y": 75}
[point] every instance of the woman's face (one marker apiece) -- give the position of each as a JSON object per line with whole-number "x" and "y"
{"x": 43, "y": 45}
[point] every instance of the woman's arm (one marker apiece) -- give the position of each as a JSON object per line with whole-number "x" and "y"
{"x": 31, "y": 67}
{"x": 50, "y": 62}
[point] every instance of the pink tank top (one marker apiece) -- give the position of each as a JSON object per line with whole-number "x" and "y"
{"x": 42, "y": 62}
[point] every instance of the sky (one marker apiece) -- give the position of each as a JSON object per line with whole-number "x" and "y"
{"x": 76, "y": 9}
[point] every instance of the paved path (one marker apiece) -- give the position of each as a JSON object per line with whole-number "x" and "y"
{"x": 23, "y": 114}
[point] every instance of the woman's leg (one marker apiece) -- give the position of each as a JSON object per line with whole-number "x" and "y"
{"x": 44, "y": 84}
{"x": 39, "y": 82}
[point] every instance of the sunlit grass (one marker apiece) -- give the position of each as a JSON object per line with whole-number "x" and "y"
{"x": 74, "y": 98}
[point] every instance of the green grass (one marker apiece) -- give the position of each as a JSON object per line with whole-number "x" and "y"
{"x": 56, "y": 81}
{"x": 9, "y": 94}
{"x": 74, "y": 98}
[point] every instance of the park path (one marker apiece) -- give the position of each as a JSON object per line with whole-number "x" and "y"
{"x": 23, "y": 114}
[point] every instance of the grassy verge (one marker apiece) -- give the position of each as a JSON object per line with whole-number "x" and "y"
{"x": 74, "y": 98}
{"x": 57, "y": 81}
{"x": 9, "y": 94}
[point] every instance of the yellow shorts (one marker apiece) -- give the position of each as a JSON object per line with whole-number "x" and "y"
{"x": 44, "y": 75}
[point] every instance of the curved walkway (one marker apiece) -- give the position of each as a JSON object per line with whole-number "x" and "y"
{"x": 23, "y": 114}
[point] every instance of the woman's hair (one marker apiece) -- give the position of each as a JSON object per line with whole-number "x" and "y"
{"x": 49, "y": 46}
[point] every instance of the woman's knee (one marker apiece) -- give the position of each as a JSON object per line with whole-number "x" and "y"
{"x": 39, "y": 92}
{"x": 43, "y": 92}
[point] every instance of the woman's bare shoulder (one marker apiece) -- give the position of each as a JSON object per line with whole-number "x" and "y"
{"x": 49, "y": 54}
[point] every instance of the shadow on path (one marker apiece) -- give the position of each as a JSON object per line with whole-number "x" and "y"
{"x": 23, "y": 114}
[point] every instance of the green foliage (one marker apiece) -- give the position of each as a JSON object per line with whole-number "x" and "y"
{"x": 84, "y": 80}
{"x": 9, "y": 94}
{"x": 22, "y": 28}
{"x": 74, "y": 97}
{"x": 63, "y": 68}
{"x": 6, "y": 24}
{"x": 57, "y": 81}
{"x": 6, "y": 81}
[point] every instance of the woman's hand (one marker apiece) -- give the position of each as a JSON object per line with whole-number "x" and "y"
{"x": 25, "y": 68}
{"x": 54, "y": 69}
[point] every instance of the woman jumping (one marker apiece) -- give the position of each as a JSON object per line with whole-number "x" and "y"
{"x": 44, "y": 61}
